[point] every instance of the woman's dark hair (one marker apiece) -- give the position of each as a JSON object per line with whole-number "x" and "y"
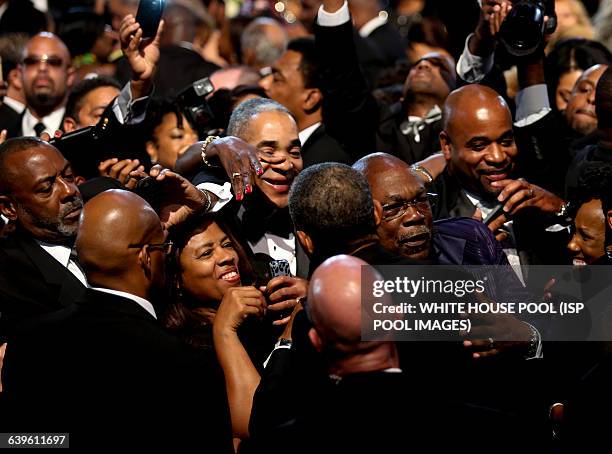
{"x": 594, "y": 182}
{"x": 182, "y": 316}
{"x": 156, "y": 111}
{"x": 571, "y": 54}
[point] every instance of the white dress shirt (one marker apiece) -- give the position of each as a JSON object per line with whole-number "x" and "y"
{"x": 62, "y": 255}
{"x": 52, "y": 122}
{"x": 340, "y": 17}
{"x": 371, "y": 25}
{"x": 14, "y": 104}
{"x": 305, "y": 133}
{"x": 146, "y": 305}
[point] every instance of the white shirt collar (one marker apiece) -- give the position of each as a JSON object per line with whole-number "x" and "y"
{"x": 3, "y": 8}
{"x": 372, "y": 25}
{"x": 305, "y": 134}
{"x": 13, "y": 103}
{"x": 59, "y": 252}
{"x": 52, "y": 122}
{"x": 146, "y": 305}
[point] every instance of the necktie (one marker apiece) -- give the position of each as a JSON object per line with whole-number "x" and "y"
{"x": 39, "y": 128}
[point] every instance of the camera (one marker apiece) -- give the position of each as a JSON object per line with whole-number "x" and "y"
{"x": 522, "y": 32}
{"x": 193, "y": 104}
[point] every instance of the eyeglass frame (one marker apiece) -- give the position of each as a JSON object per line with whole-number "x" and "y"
{"x": 51, "y": 60}
{"x": 431, "y": 198}
{"x": 166, "y": 244}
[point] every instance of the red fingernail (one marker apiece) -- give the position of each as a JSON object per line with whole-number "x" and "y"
{"x": 248, "y": 189}
{"x": 239, "y": 197}
{"x": 58, "y": 134}
{"x": 259, "y": 171}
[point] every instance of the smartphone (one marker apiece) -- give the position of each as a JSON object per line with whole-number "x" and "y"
{"x": 151, "y": 190}
{"x": 279, "y": 268}
{"x": 149, "y": 15}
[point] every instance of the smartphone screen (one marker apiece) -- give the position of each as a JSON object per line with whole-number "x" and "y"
{"x": 148, "y": 16}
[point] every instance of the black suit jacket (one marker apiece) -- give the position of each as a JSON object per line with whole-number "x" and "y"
{"x": 389, "y": 43}
{"x": 534, "y": 245}
{"x": 320, "y": 147}
{"x": 10, "y": 120}
{"x": 32, "y": 282}
{"x": 21, "y": 17}
{"x": 352, "y": 115}
{"x": 106, "y": 362}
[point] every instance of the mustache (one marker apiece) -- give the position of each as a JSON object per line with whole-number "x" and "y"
{"x": 70, "y": 207}
{"x": 590, "y": 112}
{"x": 415, "y": 231}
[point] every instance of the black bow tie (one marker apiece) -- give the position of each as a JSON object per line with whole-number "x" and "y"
{"x": 256, "y": 222}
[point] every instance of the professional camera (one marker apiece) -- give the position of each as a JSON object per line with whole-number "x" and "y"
{"x": 193, "y": 104}
{"x": 523, "y": 30}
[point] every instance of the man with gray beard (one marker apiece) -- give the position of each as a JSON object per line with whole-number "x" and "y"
{"x": 39, "y": 195}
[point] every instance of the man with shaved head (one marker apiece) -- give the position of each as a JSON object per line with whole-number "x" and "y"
{"x": 481, "y": 154}
{"x": 106, "y": 359}
{"x": 47, "y": 74}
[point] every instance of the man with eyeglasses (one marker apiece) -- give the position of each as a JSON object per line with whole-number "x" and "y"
{"x": 407, "y": 227}
{"x": 106, "y": 360}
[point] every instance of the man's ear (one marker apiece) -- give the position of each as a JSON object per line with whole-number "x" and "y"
{"x": 8, "y": 207}
{"x": 305, "y": 242}
{"x": 447, "y": 147}
{"x": 144, "y": 260}
{"x": 315, "y": 340}
{"x": 609, "y": 217}
{"x": 151, "y": 151}
{"x": 378, "y": 212}
{"x": 312, "y": 100}
{"x": 70, "y": 76}
{"x": 70, "y": 124}
{"x": 14, "y": 78}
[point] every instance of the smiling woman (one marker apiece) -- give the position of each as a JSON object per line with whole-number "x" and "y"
{"x": 208, "y": 261}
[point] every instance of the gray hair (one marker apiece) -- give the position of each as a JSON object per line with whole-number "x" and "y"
{"x": 256, "y": 38}
{"x": 247, "y": 110}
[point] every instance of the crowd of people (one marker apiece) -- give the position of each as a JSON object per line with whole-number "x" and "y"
{"x": 188, "y": 219}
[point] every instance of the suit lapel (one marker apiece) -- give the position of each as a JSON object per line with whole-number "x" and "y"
{"x": 51, "y": 270}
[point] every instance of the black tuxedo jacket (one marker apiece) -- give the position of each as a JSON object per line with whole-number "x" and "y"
{"x": 351, "y": 114}
{"x": 106, "y": 362}
{"x": 389, "y": 43}
{"x": 10, "y": 120}
{"x": 32, "y": 282}
{"x": 320, "y": 147}
{"x": 534, "y": 245}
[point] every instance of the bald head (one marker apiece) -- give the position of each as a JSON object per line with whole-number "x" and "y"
{"x": 405, "y": 229}
{"x": 334, "y": 301}
{"x": 115, "y": 225}
{"x": 478, "y": 139}
{"x": 47, "y": 73}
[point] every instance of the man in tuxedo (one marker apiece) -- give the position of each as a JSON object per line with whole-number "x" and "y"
{"x": 480, "y": 151}
{"x": 359, "y": 122}
{"x": 106, "y": 360}
{"x": 295, "y": 82}
{"x": 39, "y": 195}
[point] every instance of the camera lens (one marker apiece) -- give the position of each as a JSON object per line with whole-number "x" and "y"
{"x": 522, "y": 30}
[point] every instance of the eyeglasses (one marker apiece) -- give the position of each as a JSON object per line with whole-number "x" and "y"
{"x": 33, "y": 60}
{"x": 422, "y": 204}
{"x": 165, "y": 247}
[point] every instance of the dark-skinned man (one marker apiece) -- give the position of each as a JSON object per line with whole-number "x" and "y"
{"x": 295, "y": 82}
{"x": 106, "y": 360}
{"x": 480, "y": 151}
{"x": 361, "y": 124}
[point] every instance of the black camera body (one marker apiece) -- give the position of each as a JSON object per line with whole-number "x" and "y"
{"x": 193, "y": 104}
{"x": 522, "y": 31}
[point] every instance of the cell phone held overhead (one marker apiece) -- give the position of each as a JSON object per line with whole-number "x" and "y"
{"x": 149, "y": 15}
